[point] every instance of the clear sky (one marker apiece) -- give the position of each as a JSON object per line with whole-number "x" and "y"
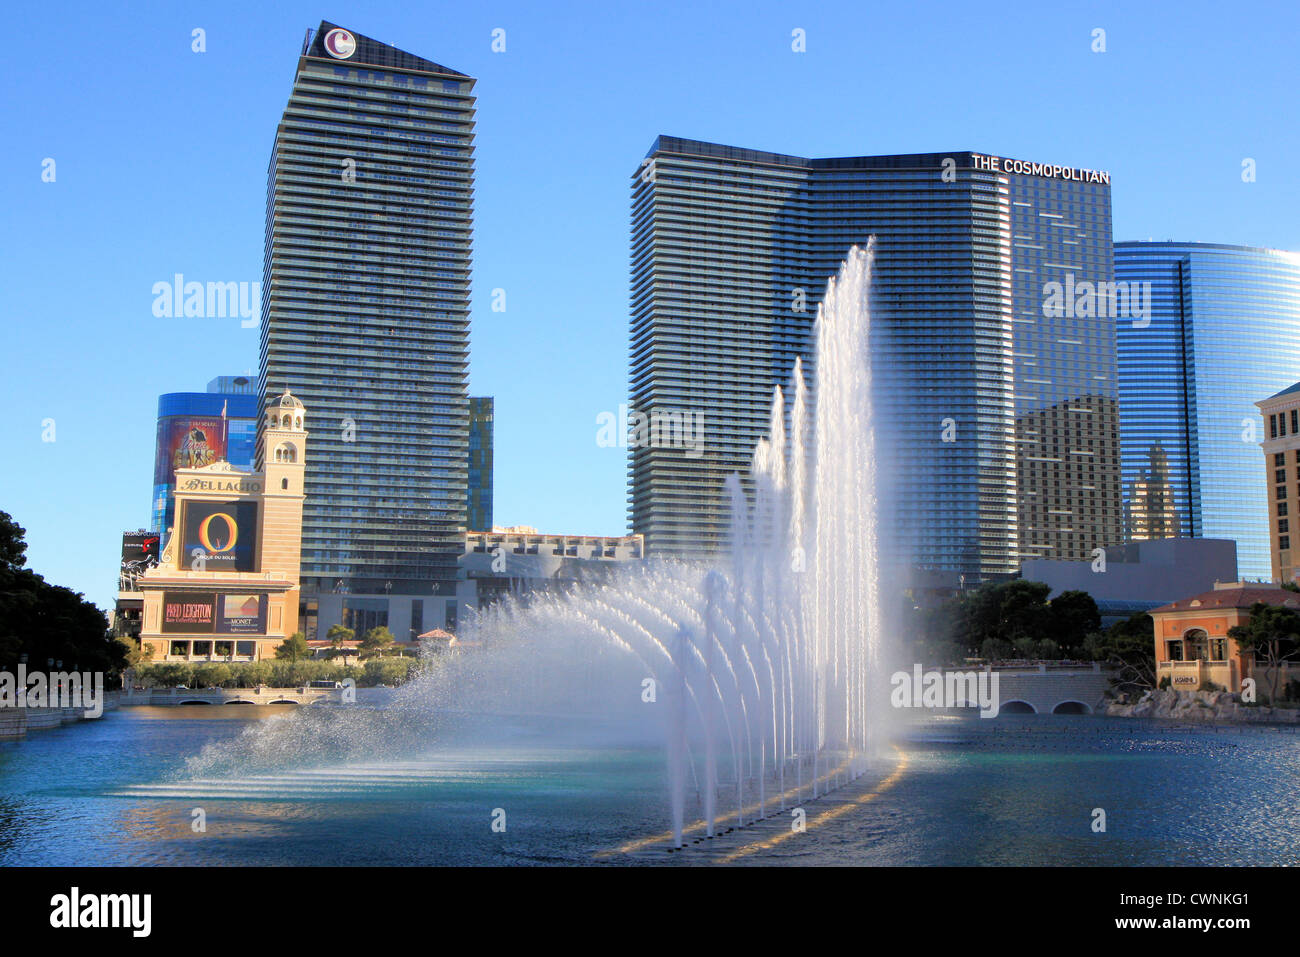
{"x": 160, "y": 168}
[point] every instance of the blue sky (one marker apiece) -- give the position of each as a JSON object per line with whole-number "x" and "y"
{"x": 161, "y": 158}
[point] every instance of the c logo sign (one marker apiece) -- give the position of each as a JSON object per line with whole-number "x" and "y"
{"x": 205, "y": 533}
{"x": 340, "y": 44}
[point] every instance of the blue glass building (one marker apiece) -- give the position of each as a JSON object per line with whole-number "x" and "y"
{"x": 366, "y": 318}
{"x": 999, "y": 420}
{"x": 192, "y": 432}
{"x": 1223, "y": 333}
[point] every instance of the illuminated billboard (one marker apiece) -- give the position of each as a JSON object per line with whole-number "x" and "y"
{"x": 213, "y": 613}
{"x": 188, "y": 442}
{"x": 220, "y": 536}
{"x": 241, "y": 614}
{"x": 189, "y": 614}
{"x": 139, "y": 552}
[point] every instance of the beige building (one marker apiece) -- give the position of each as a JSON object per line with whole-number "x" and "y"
{"x": 1282, "y": 473}
{"x": 226, "y": 587}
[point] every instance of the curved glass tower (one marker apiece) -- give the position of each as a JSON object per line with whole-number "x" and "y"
{"x": 1223, "y": 333}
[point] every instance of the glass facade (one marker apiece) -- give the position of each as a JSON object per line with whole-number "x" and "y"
{"x": 366, "y": 311}
{"x": 998, "y": 422}
{"x": 192, "y": 432}
{"x": 478, "y": 505}
{"x": 1223, "y": 333}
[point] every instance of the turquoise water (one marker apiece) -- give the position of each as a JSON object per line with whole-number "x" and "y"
{"x": 1016, "y": 790}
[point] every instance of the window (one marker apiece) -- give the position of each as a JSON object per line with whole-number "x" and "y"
{"x": 1284, "y": 543}
{"x": 180, "y": 648}
{"x": 1281, "y": 508}
{"x": 1295, "y": 421}
{"x": 1197, "y": 643}
{"x": 1279, "y": 475}
{"x": 1279, "y": 458}
{"x": 1175, "y": 647}
{"x": 1281, "y": 491}
{"x": 1218, "y": 649}
{"x": 1272, "y": 426}
{"x": 1284, "y": 525}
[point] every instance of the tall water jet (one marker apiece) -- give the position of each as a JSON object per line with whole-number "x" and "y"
{"x": 765, "y": 657}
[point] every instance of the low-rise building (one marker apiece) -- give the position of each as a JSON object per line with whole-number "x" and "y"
{"x": 519, "y": 560}
{"x": 1140, "y": 576}
{"x": 1192, "y": 645}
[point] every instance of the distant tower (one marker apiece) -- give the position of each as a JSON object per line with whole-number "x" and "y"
{"x": 1152, "y": 511}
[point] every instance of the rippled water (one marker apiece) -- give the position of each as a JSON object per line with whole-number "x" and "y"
{"x": 1016, "y": 790}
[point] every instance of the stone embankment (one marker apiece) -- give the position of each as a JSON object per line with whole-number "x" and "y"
{"x": 16, "y": 722}
{"x": 1211, "y": 707}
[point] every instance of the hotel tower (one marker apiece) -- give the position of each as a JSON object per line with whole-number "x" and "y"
{"x": 995, "y": 377}
{"x": 365, "y": 316}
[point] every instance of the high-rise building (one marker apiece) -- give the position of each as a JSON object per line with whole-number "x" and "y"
{"x": 197, "y": 429}
{"x": 366, "y": 315}
{"x": 478, "y": 505}
{"x": 995, "y": 376}
{"x": 1220, "y": 328}
{"x": 1281, "y": 483}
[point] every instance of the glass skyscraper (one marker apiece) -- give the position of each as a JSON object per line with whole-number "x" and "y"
{"x": 478, "y": 505}
{"x": 192, "y": 432}
{"x": 365, "y": 318}
{"x": 1223, "y": 333}
{"x": 997, "y": 402}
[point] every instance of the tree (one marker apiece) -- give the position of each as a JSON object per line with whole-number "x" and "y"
{"x": 212, "y": 674}
{"x": 1272, "y": 635}
{"x": 294, "y": 647}
{"x": 136, "y": 652}
{"x": 1072, "y": 616}
{"x": 337, "y": 635}
{"x": 1129, "y": 646}
{"x": 1005, "y": 612}
{"x": 378, "y": 641}
{"x": 48, "y": 622}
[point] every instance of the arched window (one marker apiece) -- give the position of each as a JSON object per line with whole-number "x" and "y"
{"x": 297, "y": 422}
{"x": 1196, "y": 645}
{"x": 286, "y": 421}
{"x": 284, "y": 483}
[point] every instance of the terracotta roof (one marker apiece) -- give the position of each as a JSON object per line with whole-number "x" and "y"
{"x": 1240, "y": 597}
{"x": 438, "y": 633}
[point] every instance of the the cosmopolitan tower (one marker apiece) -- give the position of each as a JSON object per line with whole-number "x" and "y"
{"x": 366, "y": 316}
{"x": 1221, "y": 332}
{"x": 997, "y": 397}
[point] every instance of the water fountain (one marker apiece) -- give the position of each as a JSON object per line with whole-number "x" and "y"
{"x": 761, "y": 664}
{"x": 754, "y": 671}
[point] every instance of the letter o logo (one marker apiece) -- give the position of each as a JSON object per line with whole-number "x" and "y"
{"x": 205, "y": 533}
